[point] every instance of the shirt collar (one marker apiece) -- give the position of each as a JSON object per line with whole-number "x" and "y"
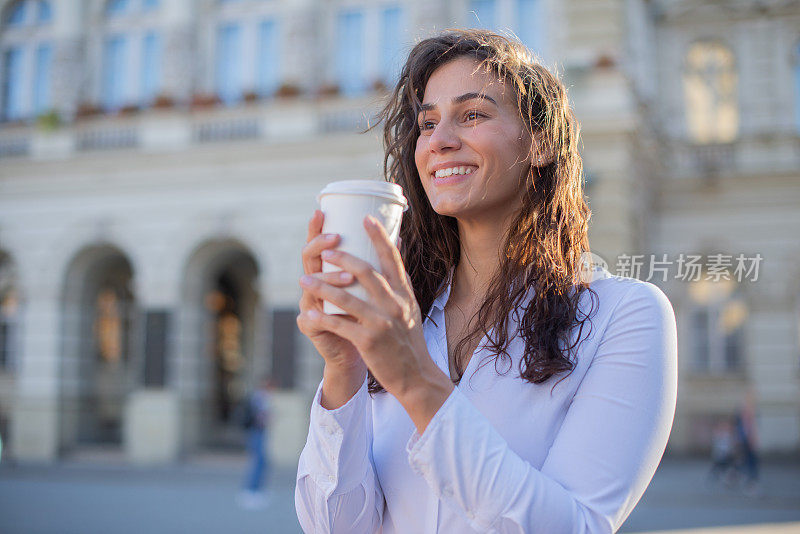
{"x": 441, "y": 301}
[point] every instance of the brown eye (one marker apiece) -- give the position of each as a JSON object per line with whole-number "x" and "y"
{"x": 473, "y": 115}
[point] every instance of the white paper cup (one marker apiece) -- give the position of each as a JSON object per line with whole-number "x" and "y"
{"x": 345, "y": 204}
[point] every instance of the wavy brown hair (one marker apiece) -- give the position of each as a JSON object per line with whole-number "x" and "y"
{"x": 545, "y": 240}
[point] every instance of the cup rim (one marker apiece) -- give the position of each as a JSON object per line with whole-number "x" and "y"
{"x": 387, "y": 190}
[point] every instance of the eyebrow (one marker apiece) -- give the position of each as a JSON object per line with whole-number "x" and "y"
{"x": 460, "y": 99}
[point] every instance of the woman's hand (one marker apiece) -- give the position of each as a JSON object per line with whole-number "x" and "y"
{"x": 387, "y": 330}
{"x": 344, "y": 369}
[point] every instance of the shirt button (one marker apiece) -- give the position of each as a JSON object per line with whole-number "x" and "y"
{"x": 332, "y": 478}
{"x": 447, "y": 490}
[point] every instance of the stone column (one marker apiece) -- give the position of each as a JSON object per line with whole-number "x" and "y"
{"x": 301, "y": 52}
{"x": 152, "y": 418}
{"x": 69, "y": 62}
{"x": 179, "y": 61}
{"x": 180, "y": 48}
{"x": 35, "y": 416}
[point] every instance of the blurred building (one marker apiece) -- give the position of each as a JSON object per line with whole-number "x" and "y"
{"x": 717, "y": 88}
{"x": 159, "y": 161}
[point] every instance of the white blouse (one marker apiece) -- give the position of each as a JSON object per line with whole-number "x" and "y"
{"x": 502, "y": 454}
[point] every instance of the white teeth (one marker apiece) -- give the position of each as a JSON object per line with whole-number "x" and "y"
{"x": 441, "y": 173}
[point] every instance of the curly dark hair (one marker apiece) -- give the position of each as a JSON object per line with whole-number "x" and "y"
{"x": 548, "y": 235}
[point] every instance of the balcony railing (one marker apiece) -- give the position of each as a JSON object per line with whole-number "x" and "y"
{"x": 175, "y": 129}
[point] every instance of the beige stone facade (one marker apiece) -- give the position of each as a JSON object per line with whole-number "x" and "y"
{"x": 180, "y": 210}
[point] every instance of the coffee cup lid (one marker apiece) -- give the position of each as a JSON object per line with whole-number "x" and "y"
{"x": 385, "y": 190}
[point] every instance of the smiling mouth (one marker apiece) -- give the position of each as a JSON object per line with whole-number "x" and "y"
{"x": 455, "y": 171}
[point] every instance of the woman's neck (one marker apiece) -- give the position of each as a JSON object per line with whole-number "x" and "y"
{"x": 479, "y": 260}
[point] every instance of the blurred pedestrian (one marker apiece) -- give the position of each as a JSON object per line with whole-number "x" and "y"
{"x": 748, "y": 443}
{"x": 256, "y": 421}
{"x": 723, "y": 453}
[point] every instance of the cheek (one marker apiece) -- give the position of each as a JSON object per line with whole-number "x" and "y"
{"x": 420, "y": 156}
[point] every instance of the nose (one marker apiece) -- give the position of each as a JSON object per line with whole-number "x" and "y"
{"x": 444, "y": 138}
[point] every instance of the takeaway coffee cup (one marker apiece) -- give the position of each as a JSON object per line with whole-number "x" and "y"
{"x": 345, "y": 204}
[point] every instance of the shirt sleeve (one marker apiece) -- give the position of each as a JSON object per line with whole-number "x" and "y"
{"x": 337, "y": 488}
{"x": 604, "y": 455}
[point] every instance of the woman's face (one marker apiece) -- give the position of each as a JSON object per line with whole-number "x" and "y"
{"x": 473, "y": 151}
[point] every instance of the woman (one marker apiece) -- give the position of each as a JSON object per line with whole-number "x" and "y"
{"x": 484, "y": 387}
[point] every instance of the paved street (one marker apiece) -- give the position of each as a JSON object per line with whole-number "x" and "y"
{"x": 200, "y": 497}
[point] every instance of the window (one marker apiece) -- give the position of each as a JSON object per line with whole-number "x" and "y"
{"x": 391, "y": 44}
{"x": 482, "y": 14}
{"x": 132, "y": 54}
{"x": 229, "y": 64}
{"x": 268, "y": 57}
{"x": 530, "y": 24}
{"x": 717, "y": 326}
{"x": 115, "y": 61}
{"x": 246, "y": 47}
{"x": 117, "y": 7}
{"x": 44, "y": 59}
{"x": 44, "y": 13}
{"x": 17, "y": 14}
{"x": 350, "y": 59}
{"x": 522, "y": 18}
{"x": 13, "y": 84}
{"x": 26, "y": 56}
{"x": 709, "y": 84}
{"x": 151, "y": 66}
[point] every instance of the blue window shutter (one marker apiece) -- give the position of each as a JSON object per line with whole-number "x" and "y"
{"x": 45, "y": 13}
{"x": 350, "y": 52}
{"x": 229, "y": 63}
{"x": 117, "y": 7}
{"x": 41, "y": 84}
{"x": 530, "y": 26}
{"x": 13, "y": 84}
{"x": 482, "y": 14}
{"x": 115, "y": 61}
{"x": 18, "y": 14}
{"x": 151, "y": 66}
{"x": 268, "y": 57}
{"x": 392, "y": 43}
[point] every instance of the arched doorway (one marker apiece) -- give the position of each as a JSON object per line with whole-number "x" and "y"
{"x": 98, "y": 369}
{"x": 222, "y": 317}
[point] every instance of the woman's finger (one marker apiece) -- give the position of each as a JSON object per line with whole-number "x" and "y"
{"x": 388, "y": 255}
{"x": 339, "y": 279}
{"x": 314, "y": 322}
{"x": 315, "y": 225}
{"x": 354, "y": 306}
{"x": 373, "y": 282}
{"x": 311, "y": 260}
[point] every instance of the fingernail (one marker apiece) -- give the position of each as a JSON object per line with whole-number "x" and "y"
{"x": 306, "y": 280}
{"x": 327, "y": 254}
{"x": 371, "y": 220}
{"x": 330, "y": 237}
{"x": 313, "y": 314}
{"x": 345, "y": 276}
